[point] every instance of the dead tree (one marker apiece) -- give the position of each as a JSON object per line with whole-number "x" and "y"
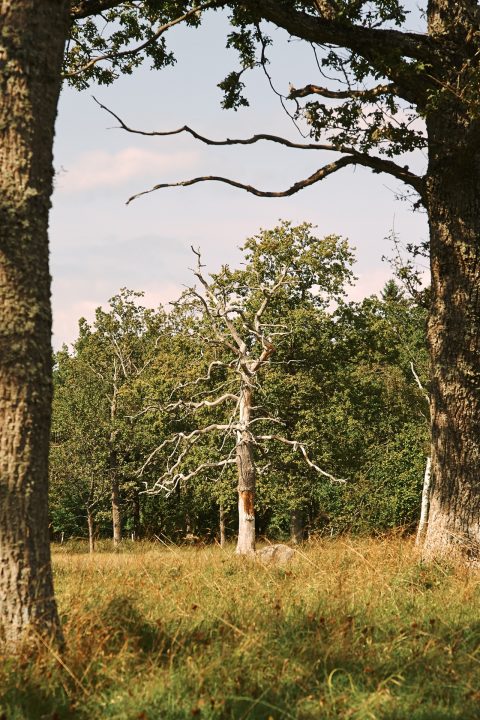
{"x": 234, "y": 315}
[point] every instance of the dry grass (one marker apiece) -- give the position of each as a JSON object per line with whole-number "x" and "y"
{"x": 351, "y": 629}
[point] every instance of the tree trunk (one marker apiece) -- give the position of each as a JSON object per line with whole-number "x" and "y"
{"x": 297, "y": 526}
{"x": 32, "y": 37}
{"x": 116, "y": 510}
{"x": 453, "y": 201}
{"x": 91, "y": 530}
{"x": 423, "y": 522}
{"x": 136, "y": 513}
{"x": 113, "y": 461}
{"x": 246, "y": 478}
{"x": 223, "y": 534}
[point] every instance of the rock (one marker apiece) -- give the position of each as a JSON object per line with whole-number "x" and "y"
{"x": 279, "y": 553}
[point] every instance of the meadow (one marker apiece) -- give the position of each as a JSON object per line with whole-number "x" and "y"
{"x": 351, "y": 628}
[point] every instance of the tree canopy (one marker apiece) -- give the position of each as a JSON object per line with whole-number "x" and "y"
{"x": 333, "y": 397}
{"x": 378, "y": 92}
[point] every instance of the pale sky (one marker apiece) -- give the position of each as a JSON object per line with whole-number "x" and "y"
{"x": 98, "y": 244}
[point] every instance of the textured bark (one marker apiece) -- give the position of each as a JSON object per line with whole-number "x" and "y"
{"x": 136, "y": 514}
{"x": 91, "y": 531}
{"x": 115, "y": 485}
{"x": 32, "y": 36}
{"x": 246, "y": 522}
{"x": 297, "y": 526}
{"x": 246, "y": 478}
{"x": 116, "y": 510}
{"x": 453, "y": 198}
{"x": 223, "y": 532}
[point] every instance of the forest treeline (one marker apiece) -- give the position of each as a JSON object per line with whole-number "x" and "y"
{"x": 145, "y": 403}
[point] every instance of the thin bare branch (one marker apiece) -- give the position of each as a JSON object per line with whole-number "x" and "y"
{"x": 119, "y": 354}
{"x": 266, "y": 418}
{"x": 296, "y": 445}
{"x": 268, "y": 294}
{"x": 209, "y": 141}
{"x": 353, "y": 157}
{"x": 218, "y": 304}
{"x": 203, "y": 404}
{"x": 221, "y": 338}
{"x": 169, "y": 484}
{"x": 205, "y": 378}
{"x": 187, "y": 437}
{"x": 319, "y": 175}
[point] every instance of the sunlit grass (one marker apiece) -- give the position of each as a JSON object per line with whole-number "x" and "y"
{"x": 350, "y": 629}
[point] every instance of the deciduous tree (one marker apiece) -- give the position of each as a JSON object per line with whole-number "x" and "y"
{"x": 32, "y": 41}
{"x": 385, "y": 91}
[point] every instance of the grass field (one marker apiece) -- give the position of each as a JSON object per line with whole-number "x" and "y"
{"x": 350, "y": 629}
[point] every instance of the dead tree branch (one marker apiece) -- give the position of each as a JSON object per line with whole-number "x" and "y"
{"x": 367, "y": 95}
{"x": 378, "y": 165}
{"x": 297, "y": 445}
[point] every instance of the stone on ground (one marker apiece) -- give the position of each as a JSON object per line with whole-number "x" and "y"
{"x": 279, "y": 553}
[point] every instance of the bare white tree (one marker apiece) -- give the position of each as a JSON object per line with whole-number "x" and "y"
{"x": 235, "y": 314}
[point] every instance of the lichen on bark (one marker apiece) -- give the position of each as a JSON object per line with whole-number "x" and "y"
{"x": 32, "y": 37}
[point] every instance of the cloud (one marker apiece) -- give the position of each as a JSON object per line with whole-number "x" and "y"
{"x": 99, "y": 168}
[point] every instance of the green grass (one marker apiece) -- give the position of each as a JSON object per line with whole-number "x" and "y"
{"x": 351, "y": 629}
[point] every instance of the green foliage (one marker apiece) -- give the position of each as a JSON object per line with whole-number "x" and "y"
{"x": 286, "y": 271}
{"x": 360, "y": 118}
{"x": 341, "y": 381}
{"x": 115, "y": 33}
{"x": 97, "y": 387}
{"x": 367, "y": 120}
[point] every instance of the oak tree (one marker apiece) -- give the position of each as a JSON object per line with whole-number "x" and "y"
{"x": 385, "y": 91}
{"x": 32, "y": 42}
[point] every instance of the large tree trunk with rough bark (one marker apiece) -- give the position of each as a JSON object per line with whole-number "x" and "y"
{"x": 246, "y": 478}
{"x": 32, "y": 37}
{"x": 453, "y": 200}
{"x": 454, "y": 341}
